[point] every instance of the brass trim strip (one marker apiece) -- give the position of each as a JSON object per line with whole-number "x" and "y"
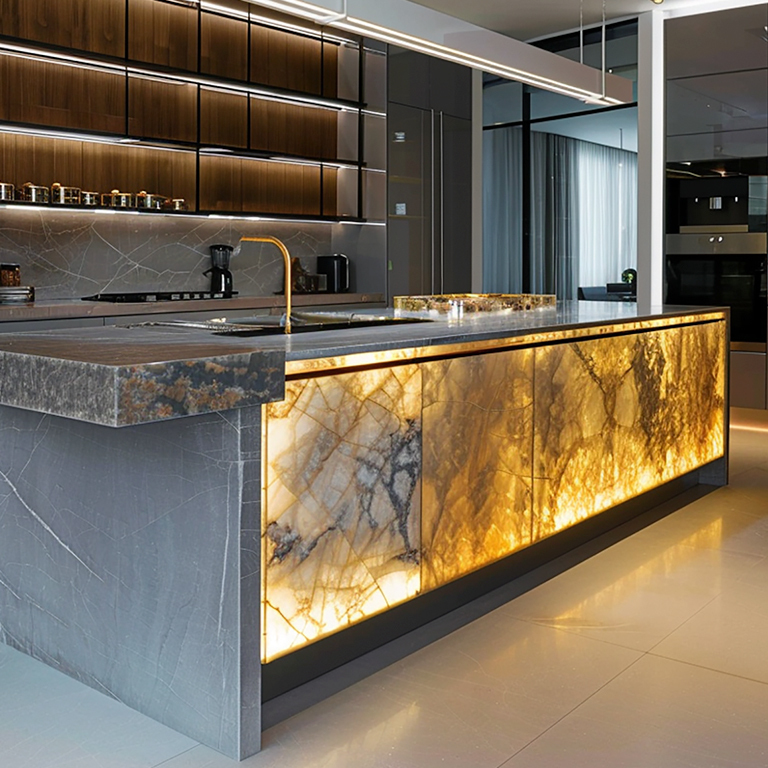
{"x": 298, "y": 368}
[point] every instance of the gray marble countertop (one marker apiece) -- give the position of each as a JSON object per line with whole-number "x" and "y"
{"x": 72, "y": 308}
{"x": 122, "y": 375}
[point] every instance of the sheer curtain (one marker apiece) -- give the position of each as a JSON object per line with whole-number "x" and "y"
{"x": 554, "y": 215}
{"x": 502, "y": 210}
{"x": 583, "y": 212}
{"x": 607, "y": 205}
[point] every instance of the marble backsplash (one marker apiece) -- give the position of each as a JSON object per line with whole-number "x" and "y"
{"x": 68, "y": 254}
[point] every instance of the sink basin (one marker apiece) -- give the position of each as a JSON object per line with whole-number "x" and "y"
{"x": 301, "y": 322}
{"x": 462, "y": 303}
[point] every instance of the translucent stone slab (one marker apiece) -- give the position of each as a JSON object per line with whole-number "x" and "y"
{"x": 461, "y": 303}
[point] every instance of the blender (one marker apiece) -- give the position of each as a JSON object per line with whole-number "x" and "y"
{"x": 221, "y": 277}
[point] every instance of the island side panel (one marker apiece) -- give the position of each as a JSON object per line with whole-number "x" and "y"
{"x": 120, "y": 554}
{"x": 618, "y": 416}
{"x": 478, "y": 444}
{"x": 342, "y": 521}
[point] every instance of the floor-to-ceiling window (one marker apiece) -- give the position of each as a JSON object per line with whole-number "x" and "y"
{"x": 560, "y": 179}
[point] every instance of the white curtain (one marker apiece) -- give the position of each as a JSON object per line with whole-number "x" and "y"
{"x": 502, "y": 210}
{"x": 607, "y": 211}
{"x": 583, "y": 213}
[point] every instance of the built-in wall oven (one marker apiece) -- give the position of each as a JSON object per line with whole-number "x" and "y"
{"x": 727, "y": 269}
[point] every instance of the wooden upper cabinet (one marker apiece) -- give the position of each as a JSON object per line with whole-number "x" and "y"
{"x": 56, "y": 94}
{"x": 224, "y": 46}
{"x": 163, "y": 33}
{"x": 330, "y": 70}
{"x": 286, "y": 60}
{"x": 223, "y": 118}
{"x": 84, "y": 25}
{"x": 292, "y": 129}
{"x": 162, "y": 109}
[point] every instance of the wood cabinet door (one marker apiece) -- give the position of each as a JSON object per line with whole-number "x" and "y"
{"x": 85, "y": 25}
{"x": 163, "y": 33}
{"x": 56, "y": 94}
{"x": 162, "y": 109}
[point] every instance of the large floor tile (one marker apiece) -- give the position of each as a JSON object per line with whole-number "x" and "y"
{"x": 660, "y": 714}
{"x": 48, "y": 720}
{"x": 728, "y": 635}
{"x": 471, "y": 699}
{"x": 643, "y": 588}
{"x": 727, "y": 520}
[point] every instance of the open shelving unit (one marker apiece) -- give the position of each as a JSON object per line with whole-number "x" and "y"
{"x": 236, "y": 109}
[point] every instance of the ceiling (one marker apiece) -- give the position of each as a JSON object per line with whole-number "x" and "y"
{"x": 527, "y": 19}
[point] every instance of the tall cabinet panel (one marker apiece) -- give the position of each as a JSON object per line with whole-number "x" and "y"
{"x": 430, "y": 169}
{"x": 409, "y": 241}
{"x": 717, "y": 174}
{"x": 455, "y": 190}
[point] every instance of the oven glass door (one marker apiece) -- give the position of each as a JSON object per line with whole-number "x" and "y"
{"x": 738, "y": 282}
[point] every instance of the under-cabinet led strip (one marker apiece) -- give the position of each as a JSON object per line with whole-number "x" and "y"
{"x": 216, "y": 151}
{"x": 89, "y": 138}
{"x": 51, "y": 57}
{"x": 191, "y": 215}
{"x": 306, "y": 31}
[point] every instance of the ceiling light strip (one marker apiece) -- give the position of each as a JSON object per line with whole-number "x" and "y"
{"x": 400, "y": 38}
{"x": 387, "y": 34}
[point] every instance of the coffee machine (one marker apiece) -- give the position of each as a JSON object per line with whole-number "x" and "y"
{"x": 221, "y": 277}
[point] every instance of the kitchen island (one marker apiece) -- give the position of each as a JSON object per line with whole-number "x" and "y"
{"x": 182, "y": 512}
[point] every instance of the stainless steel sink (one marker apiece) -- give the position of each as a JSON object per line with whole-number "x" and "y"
{"x": 301, "y": 322}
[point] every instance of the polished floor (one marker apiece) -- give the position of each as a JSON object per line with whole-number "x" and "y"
{"x": 652, "y": 653}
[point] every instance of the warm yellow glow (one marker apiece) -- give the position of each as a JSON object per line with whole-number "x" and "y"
{"x": 477, "y": 462}
{"x": 342, "y": 503}
{"x": 295, "y": 368}
{"x": 664, "y": 563}
{"x": 390, "y": 480}
{"x": 620, "y": 416}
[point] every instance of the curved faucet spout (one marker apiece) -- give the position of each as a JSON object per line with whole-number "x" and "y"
{"x": 288, "y": 281}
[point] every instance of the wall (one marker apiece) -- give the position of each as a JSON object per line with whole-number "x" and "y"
{"x": 70, "y": 254}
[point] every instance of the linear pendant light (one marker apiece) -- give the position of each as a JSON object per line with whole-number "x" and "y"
{"x": 418, "y": 28}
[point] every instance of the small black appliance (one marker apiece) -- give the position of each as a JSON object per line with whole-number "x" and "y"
{"x": 221, "y": 277}
{"x": 336, "y": 267}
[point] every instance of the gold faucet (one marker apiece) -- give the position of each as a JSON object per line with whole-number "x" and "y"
{"x": 287, "y": 260}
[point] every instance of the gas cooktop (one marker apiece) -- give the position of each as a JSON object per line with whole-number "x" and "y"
{"x": 144, "y": 297}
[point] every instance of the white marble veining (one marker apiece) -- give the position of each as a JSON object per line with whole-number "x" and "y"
{"x": 71, "y": 254}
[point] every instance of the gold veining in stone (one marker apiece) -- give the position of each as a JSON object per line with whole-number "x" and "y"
{"x": 477, "y": 442}
{"x": 341, "y": 528}
{"x": 461, "y": 303}
{"x": 518, "y": 444}
{"x": 616, "y": 417}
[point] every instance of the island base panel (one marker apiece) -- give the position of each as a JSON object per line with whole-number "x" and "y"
{"x": 391, "y": 481}
{"x": 129, "y": 559}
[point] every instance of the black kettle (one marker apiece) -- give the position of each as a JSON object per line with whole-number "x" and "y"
{"x": 221, "y": 277}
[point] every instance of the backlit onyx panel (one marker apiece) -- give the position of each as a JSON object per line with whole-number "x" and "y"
{"x": 619, "y": 416}
{"x": 388, "y": 482}
{"x": 341, "y": 528}
{"x": 478, "y": 440}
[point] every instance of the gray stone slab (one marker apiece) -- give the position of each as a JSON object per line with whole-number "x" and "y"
{"x": 129, "y": 560}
